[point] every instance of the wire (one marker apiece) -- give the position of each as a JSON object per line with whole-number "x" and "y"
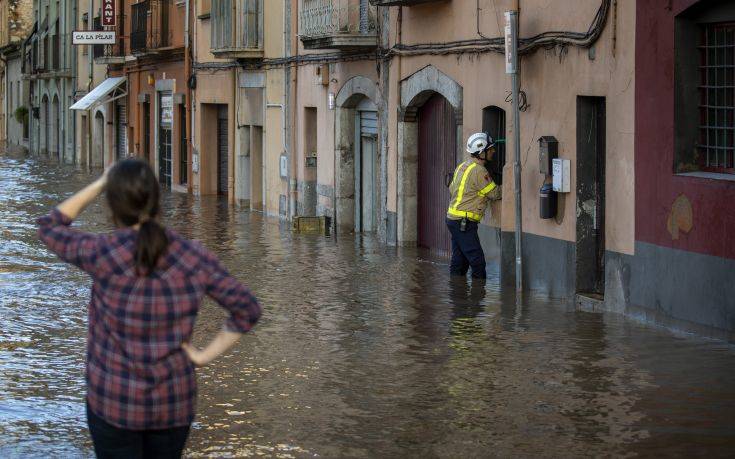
{"x": 546, "y": 40}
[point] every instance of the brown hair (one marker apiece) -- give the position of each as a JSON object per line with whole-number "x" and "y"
{"x": 133, "y": 196}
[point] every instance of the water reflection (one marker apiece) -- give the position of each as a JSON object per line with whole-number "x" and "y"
{"x": 363, "y": 351}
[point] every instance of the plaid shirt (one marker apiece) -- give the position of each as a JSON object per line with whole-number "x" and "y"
{"x": 138, "y": 377}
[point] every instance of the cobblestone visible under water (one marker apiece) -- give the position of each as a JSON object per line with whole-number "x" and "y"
{"x": 363, "y": 351}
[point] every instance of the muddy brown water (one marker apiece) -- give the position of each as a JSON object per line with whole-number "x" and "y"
{"x": 363, "y": 351}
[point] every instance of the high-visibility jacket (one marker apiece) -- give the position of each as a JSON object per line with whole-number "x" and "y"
{"x": 471, "y": 189}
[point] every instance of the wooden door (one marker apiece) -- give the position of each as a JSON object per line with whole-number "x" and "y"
{"x": 222, "y": 150}
{"x": 437, "y": 160}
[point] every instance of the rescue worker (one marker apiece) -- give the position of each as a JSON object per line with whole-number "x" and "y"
{"x": 471, "y": 189}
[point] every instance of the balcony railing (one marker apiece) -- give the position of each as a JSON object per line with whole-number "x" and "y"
{"x": 338, "y": 24}
{"x": 110, "y": 54}
{"x": 139, "y": 26}
{"x": 150, "y": 26}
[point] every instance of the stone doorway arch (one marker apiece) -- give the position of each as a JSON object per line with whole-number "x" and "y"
{"x": 416, "y": 90}
{"x": 55, "y": 128}
{"x": 98, "y": 140}
{"x": 44, "y": 123}
{"x": 358, "y": 92}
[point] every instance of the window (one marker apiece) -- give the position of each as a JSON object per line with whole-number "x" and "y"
{"x": 493, "y": 122}
{"x": 704, "y": 88}
{"x": 222, "y": 24}
{"x": 716, "y": 145}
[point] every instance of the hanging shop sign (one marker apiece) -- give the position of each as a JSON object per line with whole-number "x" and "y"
{"x": 108, "y": 12}
{"x": 93, "y": 37}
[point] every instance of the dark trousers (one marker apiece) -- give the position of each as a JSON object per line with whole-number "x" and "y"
{"x": 114, "y": 442}
{"x": 466, "y": 250}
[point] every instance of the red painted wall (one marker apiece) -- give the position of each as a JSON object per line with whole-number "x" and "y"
{"x": 712, "y": 201}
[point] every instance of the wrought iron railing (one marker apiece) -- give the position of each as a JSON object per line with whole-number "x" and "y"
{"x": 150, "y": 28}
{"x": 331, "y": 17}
{"x": 109, "y": 51}
{"x": 139, "y": 26}
{"x": 159, "y": 36}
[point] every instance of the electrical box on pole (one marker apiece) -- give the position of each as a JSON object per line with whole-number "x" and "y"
{"x": 511, "y": 67}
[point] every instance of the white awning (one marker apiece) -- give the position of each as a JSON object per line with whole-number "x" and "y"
{"x": 109, "y": 90}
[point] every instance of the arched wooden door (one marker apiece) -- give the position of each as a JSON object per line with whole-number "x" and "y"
{"x": 437, "y": 160}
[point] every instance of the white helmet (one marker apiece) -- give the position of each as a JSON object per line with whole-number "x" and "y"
{"x": 479, "y": 142}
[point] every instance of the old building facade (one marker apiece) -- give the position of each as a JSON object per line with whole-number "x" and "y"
{"x": 16, "y": 21}
{"x": 50, "y": 67}
{"x": 358, "y": 111}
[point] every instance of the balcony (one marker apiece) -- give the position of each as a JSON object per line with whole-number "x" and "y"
{"x": 400, "y": 2}
{"x": 338, "y": 24}
{"x": 150, "y": 29}
{"x": 237, "y": 34}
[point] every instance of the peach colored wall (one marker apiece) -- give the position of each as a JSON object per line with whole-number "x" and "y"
{"x": 552, "y": 80}
{"x": 212, "y": 88}
{"x": 311, "y": 94}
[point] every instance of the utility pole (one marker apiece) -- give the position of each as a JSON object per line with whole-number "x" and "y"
{"x": 511, "y": 67}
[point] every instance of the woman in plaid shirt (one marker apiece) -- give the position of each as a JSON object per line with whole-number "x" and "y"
{"x": 148, "y": 285}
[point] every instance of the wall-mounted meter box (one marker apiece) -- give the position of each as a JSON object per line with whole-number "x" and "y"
{"x": 284, "y": 166}
{"x": 548, "y": 151}
{"x": 562, "y": 175}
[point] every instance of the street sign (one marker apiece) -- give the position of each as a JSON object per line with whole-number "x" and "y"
{"x": 511, "y": 46}
{"x": 93, "y": 37}
{"x": 108, "y": 12}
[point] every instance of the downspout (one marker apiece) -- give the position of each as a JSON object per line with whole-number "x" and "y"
{"x": 292, "y": 170}
{"x": 73, "y": 68}
{"x": 187, "y": 103}
{"x": 90, "y": 82}
{"x": 6, "y": 106}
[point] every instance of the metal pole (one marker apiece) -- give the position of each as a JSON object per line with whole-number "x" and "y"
{"x": 511, "y": 51}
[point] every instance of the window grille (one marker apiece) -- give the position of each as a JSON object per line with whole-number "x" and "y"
{"x": 717, "y": 98}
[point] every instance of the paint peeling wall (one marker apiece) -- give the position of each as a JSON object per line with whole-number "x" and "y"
{"x": 688, "y": 213}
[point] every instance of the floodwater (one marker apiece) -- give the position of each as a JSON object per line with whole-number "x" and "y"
{"x": 363, "y": 351}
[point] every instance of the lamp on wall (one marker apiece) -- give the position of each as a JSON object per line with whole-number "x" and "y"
{"x": 151, "y": 80}
{"x": 331, "y": 102}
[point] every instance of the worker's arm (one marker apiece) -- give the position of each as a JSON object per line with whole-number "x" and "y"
{"x": 486, "y": 187}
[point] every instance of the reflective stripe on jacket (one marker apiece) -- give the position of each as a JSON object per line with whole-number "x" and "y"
{"x": 471, "y": 189}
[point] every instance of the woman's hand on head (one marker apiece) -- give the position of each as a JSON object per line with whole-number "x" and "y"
{"x": 102, "y": 180}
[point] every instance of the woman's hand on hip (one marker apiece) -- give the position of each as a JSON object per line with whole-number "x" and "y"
{"x": 196, "y": 355}
{"x": 219, "y": 345}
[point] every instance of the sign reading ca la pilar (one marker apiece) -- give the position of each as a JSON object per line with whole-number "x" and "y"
{"x": 108, "y": 12}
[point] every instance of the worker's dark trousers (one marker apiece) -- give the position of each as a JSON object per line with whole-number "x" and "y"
{"x": 466, "y": 250}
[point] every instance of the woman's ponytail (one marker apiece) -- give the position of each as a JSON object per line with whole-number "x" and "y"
{"x": 150, "y": 246}
{"x": 133, "y": 196}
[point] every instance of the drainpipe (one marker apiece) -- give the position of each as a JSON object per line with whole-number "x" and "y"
{"x": 283, "y": 122}
{"x": 90, "y": 81}
{"x": 292, "y": 172}
{"x": 73, "y": 68}
{"x": 187, "y": 102}
{"x": 6, "y": 106}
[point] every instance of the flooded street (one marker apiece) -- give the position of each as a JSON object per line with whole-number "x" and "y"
{"x": 363, "y": 351}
